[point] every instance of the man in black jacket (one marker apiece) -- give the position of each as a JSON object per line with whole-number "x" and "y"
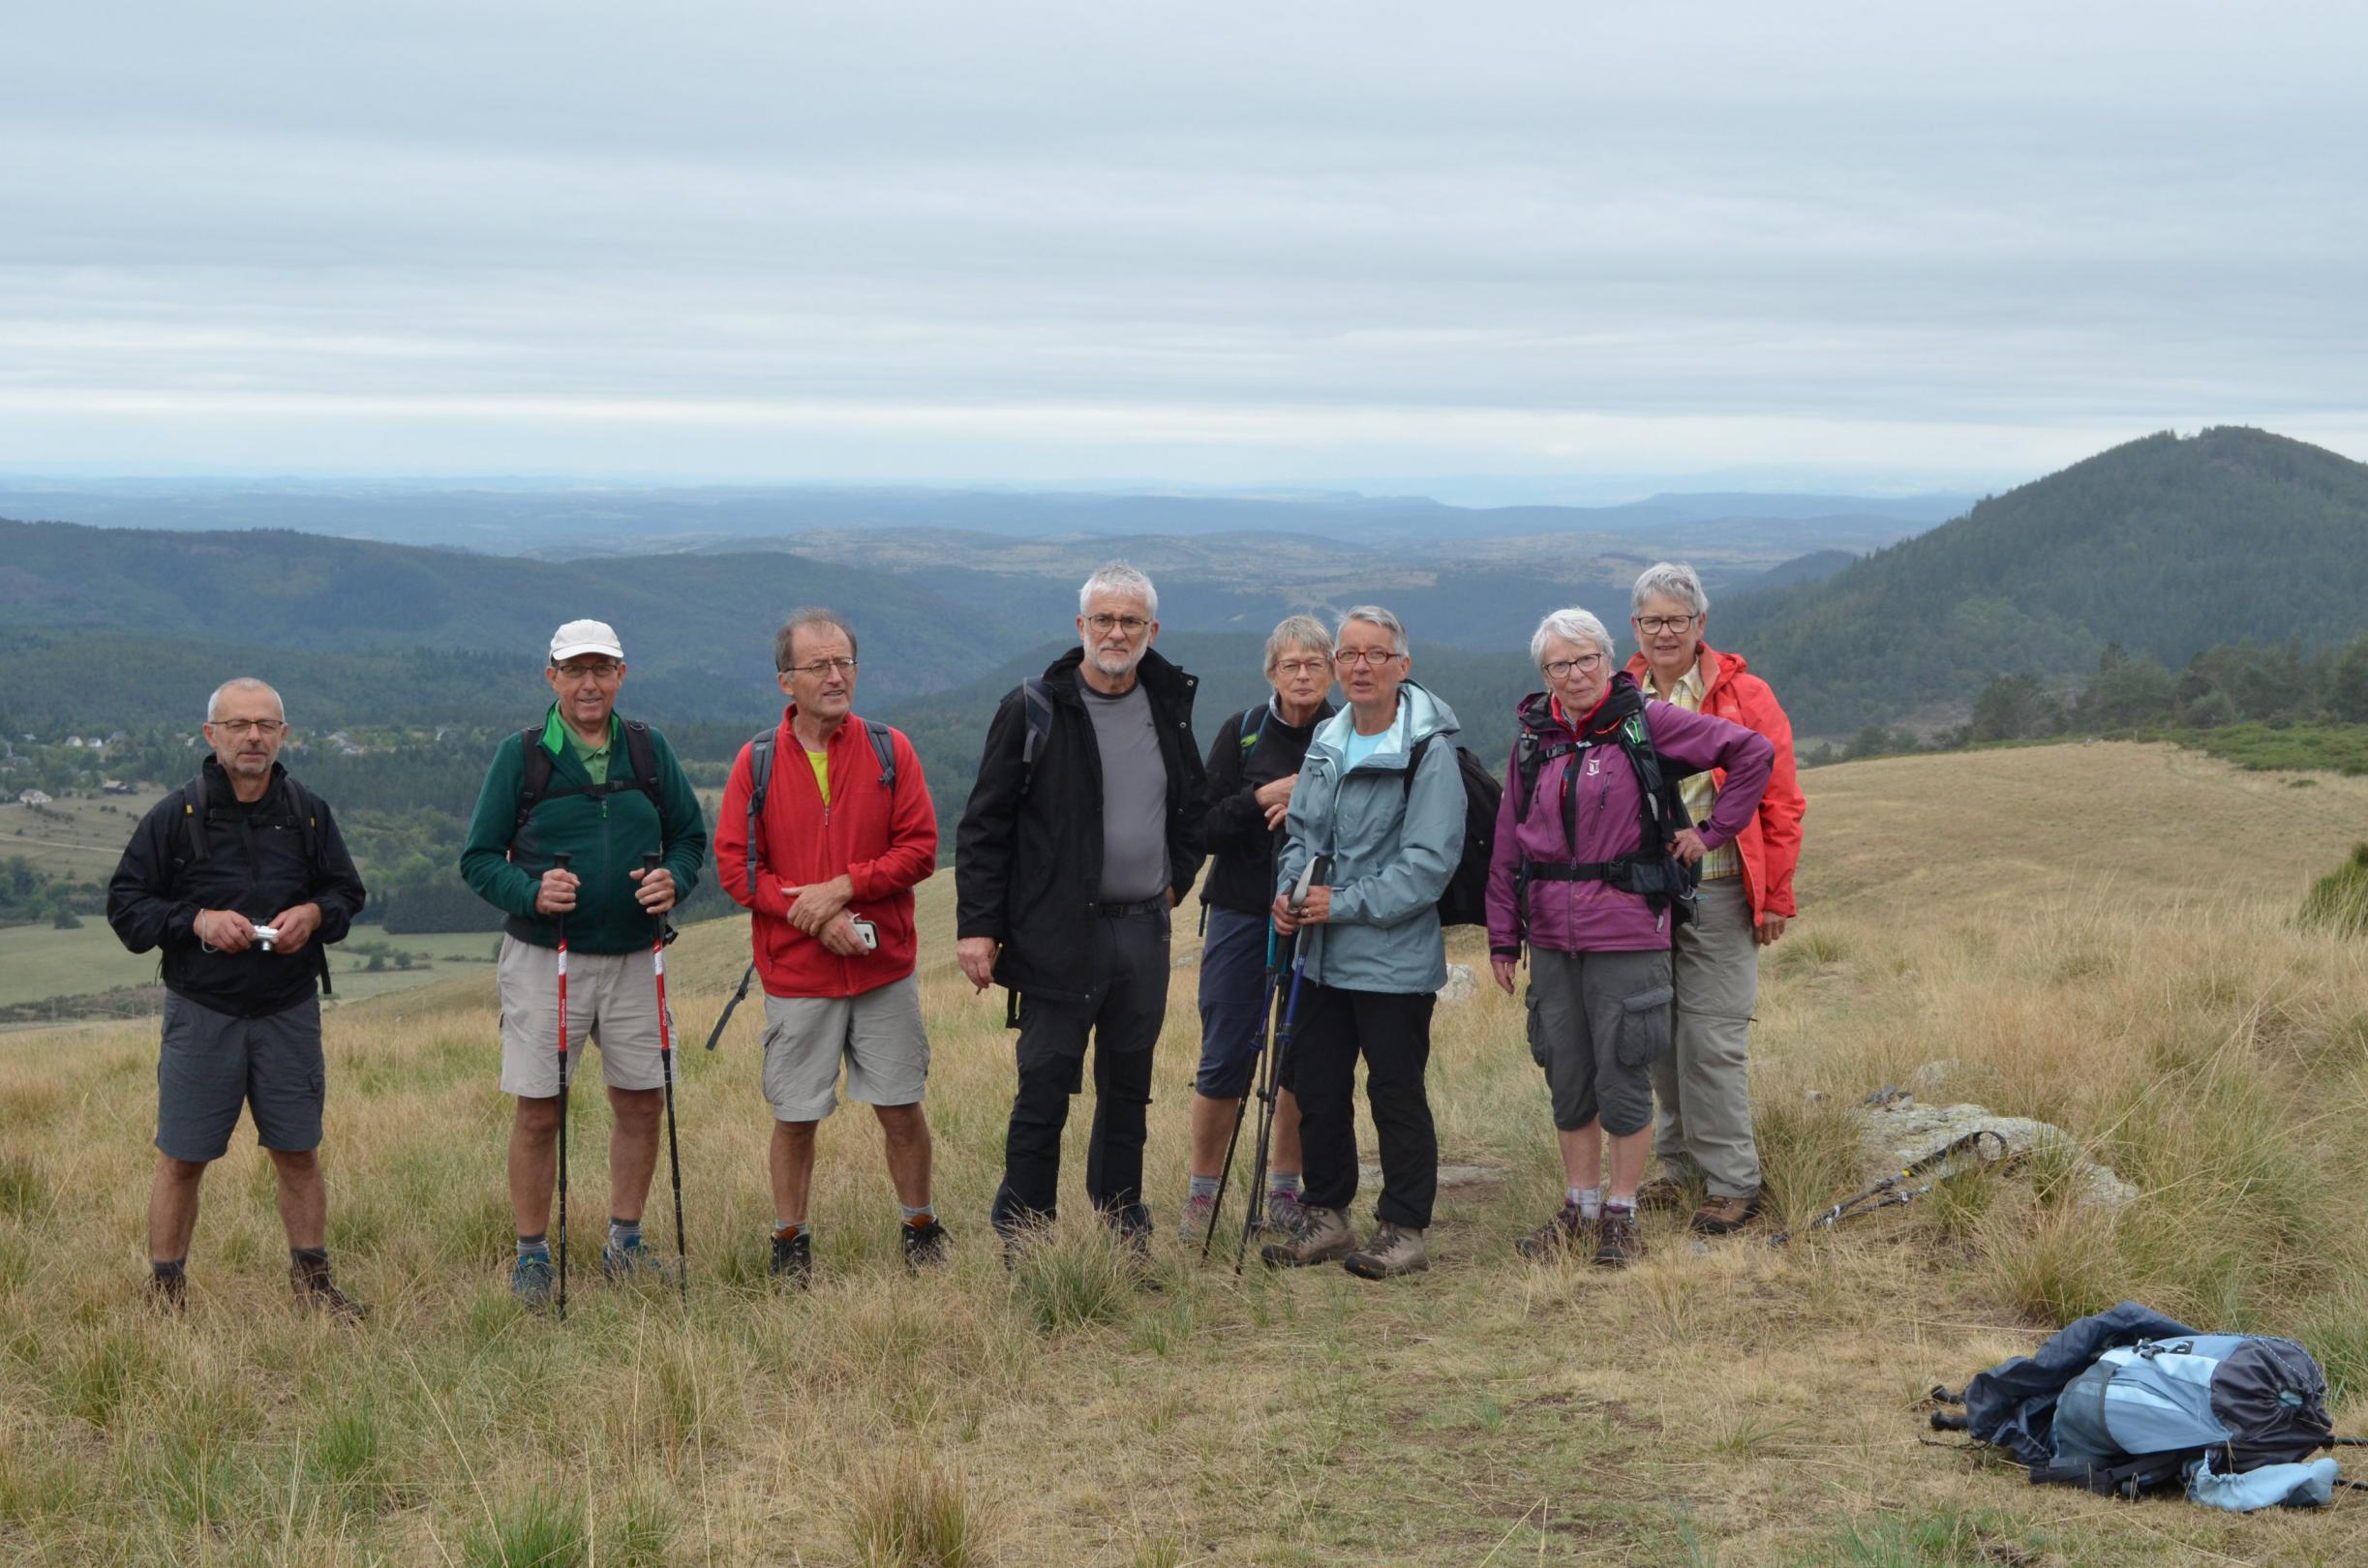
{"x": 1082, "y": 834}
{"x": 241, "y": 877}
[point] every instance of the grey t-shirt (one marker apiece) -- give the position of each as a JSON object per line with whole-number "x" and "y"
{"x": 1133, "y": 795}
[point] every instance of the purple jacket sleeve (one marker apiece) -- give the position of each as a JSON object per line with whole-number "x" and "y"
{"x": 1692, "y": 744}
{"x": 1504, "y": 860}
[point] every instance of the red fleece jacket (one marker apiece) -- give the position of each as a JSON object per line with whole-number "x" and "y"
{"x": 1771, "y": 844}
{"x": 886, "y": 843}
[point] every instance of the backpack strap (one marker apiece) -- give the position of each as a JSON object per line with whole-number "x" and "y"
{"x": 535, "y": 782}
{"x": 642, "y": 754}
{"x": 1253, "y": 726}
{"x": 760, "y": 779}
{"x": 1038, "y": 699}
{"x": 884, "y": 747}
{"x": 193, "y": 819}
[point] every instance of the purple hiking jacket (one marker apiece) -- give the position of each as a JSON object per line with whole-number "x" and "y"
{"x": 1594, "y": 917}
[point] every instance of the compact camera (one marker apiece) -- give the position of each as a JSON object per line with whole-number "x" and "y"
{"x": 266, "y": 935}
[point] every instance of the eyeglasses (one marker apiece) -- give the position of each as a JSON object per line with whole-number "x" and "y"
{"x": 605, "y": 670}
{"x": 821, "y": 668}
{"x": 1585, "y": 664}
{"x": 1654, "y": 625}
{"x": 1365, "y": 656}
{"x": 1302, "y": 667}
{"x": 1131, "y": 625}
{"x": 262, "y": 727}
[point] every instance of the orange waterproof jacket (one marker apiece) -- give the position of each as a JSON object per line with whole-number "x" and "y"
{"x": 1769, "y": 844}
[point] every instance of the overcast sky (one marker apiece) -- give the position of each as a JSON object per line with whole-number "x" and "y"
{"x": 1806, "y": 244}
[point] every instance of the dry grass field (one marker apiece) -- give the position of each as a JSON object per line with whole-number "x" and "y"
{"x": 2107, "y": 926}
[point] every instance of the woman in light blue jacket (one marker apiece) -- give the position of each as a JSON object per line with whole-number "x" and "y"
{"x": 1381, "y": 795}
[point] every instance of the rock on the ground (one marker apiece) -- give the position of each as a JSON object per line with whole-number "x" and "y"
{"x": 1460, "y": 986}
{"x": 1900, "y": 1133}
{"x": 1953, "y": 1079}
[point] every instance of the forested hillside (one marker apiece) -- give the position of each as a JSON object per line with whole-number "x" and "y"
{"x": 2164, "y": 545}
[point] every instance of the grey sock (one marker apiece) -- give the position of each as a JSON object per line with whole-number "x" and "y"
{"x": 1204, "y": 1186}
{"x": 1589, "y": 1201}
{"x": 1283, "y": 1181}
{"x": 925, "y": 1214}
{"x": 534, "y": 1246}
{"x": 624, "y": 1233}
{"x": 790, "y": 1229}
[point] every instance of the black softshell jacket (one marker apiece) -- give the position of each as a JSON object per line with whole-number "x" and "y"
{"x": 255, "y": 865}
{"x": 1027, "y": 859}
{"x": 1240, "y": 846}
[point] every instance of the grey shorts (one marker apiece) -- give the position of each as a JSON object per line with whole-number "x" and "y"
{"x": 213, "y": 1063}
{"x": 879, "y": 1034}
{"x": 1597, "y": 1021}
{"x": 612, "y": 1001}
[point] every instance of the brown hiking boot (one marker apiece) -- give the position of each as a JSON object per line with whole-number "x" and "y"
{"x": 310, "y": 1276}
{"x": 1395, "y": 1250}
{"x": 1664, "y": 1191}
{"x": 1618, "y": 1240}
{"x": 1321, "y": 1236}
{"x": 1720, "y": 1216}
{"x": 1568, "y": 1234}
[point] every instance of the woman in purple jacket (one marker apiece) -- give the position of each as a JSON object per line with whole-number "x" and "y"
{"x": 1574, "y": 877}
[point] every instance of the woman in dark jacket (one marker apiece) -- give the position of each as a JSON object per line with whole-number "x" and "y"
{"x": 1252, "y": 766}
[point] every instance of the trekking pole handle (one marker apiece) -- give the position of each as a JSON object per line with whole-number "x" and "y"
{"x": 558, "y": 862}
{"x": 1317, "y": 870}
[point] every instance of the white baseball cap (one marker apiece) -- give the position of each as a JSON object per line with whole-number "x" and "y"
{"x": 584, "y": 637}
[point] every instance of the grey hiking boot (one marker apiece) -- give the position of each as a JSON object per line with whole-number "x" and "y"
{"x": 1568, "y": 1234}
{"x": 1199, "y": 1210}
{"x": 1395, "y": 1250}
{"x": 531, "y": 1281}
{"x": 1284, "y": 1210}
{"x": 309, "y": 1274}
{"x": 1618, "y": 1240}
{"x": 1321, "y": 1235}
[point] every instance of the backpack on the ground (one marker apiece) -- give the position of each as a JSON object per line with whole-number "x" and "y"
{"x": 1466, "y": 899}
{"x": 1651, "y": 870}
{"x": 308, "y": 824}
{"x": 2127, "y": 1402}
{"x": 760, "y": 779}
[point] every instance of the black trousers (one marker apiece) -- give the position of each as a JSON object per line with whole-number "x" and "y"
{"x": 1124, "y": 1025}
{"x": 1392, "y": 1032}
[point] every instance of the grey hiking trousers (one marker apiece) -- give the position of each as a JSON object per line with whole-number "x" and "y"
{"x": 1702, "y": 1086}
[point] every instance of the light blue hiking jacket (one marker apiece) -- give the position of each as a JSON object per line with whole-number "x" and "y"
{"x": 1393, "y": 848}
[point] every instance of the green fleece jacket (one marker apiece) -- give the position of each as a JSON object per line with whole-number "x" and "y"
{"x": 604, "y": 837}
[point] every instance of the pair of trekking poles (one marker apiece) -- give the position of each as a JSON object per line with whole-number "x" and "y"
{"x": 665, "y": 1055}
{"x": 1273, "y": 1060}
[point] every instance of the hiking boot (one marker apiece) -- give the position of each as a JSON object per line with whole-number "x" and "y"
{"x": 1664, "y": 1191}
{"x": 1395, "y": 1250}
{"x": 1321, "y": 1235}
{"x": 310, "y": 1276}
{"x": 925, "y": 1243}
{"x": 168, "y": 1290}
{"x": 1200, "y": 1211}
{"x": 1568, "y": 1234}
{"x": 1720, "y": 1215}
{"x": 629, "y": 1259}
{"x": 1618, "y": 1240}
{"x": 793, "y": 1259}
{"x": 531, "y": 1281}
{"x": 1284, "y": 1211}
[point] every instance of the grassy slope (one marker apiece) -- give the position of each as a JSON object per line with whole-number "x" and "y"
{"x": 2104, "y": 925}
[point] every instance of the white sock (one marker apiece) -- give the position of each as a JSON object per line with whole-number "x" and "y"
{"x": 1589, "y": 1201}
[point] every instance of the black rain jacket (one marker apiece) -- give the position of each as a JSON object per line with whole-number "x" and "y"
{"x": 256, "y": 865}
{"x": 1240, "y": 845}
{"x": 1027, "y": 859}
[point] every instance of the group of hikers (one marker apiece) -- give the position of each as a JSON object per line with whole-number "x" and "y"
{"x": 1642, "y": 851}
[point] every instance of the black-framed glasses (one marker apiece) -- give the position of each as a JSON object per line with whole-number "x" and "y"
{"x": 605, "y": 669}
{"x": 1366, "y": 655}
{"x": 1302, "y": 667}
{"x": 1131, "y": 625}
{"x": 262, "y": 727}
{"x": 1654, "y": 625}
{"x": 822, "y": 667}
{"x": 1559, "y": 669}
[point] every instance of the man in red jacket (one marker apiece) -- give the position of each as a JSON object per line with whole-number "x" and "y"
{"x": 845, "y": 833}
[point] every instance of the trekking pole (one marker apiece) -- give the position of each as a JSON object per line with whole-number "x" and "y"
{"x": 1320, "y": 866}
{"x": 737, "y": 997}
{"x": 666, "y": 1057}
{"x": 1242, "y": 1107}
{"x": 1893, "y": 1191}
{"x": 558, "y": 862}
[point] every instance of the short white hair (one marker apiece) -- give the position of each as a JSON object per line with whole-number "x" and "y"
{"x": 213, "y": 704}
{"x": 1572, "y": 626}
{"x": 1669, "y": 579}
{"x": 1297, "y": 631}
{"x": 1117, "y": 577}
{"x": 1372, "y": 614}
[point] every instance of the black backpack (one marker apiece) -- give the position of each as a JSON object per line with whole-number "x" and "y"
{"x": 534, "y": 789}
{"x": 308, "y": 824}
{"x": 1665, "y": 882}
{"x": 1466, "y": 900}
{"x": 760, "y": 780}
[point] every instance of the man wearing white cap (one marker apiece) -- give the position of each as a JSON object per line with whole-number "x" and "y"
{"x": 602, "y": 793}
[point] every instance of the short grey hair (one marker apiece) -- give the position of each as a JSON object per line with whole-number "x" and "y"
{"x": 1372, "y": 614}
{"x": 1297, "y": 631}
{"x": 1117, "y": 577}
{"x": 785, "y": 641}
{"x": 1669, "y": 579}
{"x": 1572, "y": 626}
{"x": 213, "y": 704}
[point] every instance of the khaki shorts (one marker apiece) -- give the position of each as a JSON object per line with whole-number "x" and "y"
{"x": 612, "y": 999}
{"x": 879, "y": 1033}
